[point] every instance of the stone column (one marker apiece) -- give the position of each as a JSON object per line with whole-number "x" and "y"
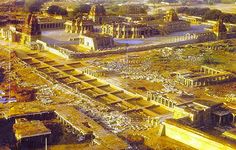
{"x": 220, "y": 120}
{"x": 166, "y": 102}
{"x": 233, "y": 120}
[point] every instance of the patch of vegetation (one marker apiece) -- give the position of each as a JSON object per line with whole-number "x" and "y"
{"x": 209, "y": 59}
{"x": 83, "y": 8}
{"x": 208, "y": 14}
{"x": 127, "y": 9}
{"x": 193, "y": 51}
{"x": 228, "y": 1}
{"x": 57, "y": 10}
{"x": 33, "y": 5}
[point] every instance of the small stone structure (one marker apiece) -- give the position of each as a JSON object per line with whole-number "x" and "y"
{"x": 220, "y": 30}
{"x": 96, "y": 41}
{"x": 201, "y": 37}
{"x": 51, "y": 24}
{"x": 193, "y": 19}
{"x": 10, "y": 33}
{"x": 95, "y": 71}
{"x": 206, "y": 76}
{"x": 205, "y": 113}
{"x": 171, "y": 16}
{"x": 24, "y": 34}
{"x": 172, "y": 23}
{"x": 169, "y": 100}
{"x": 31, "y": 26}
{"x": 161, "y": 99}
{"x": 28, "y": 132}
{"x": 132, "y": 60}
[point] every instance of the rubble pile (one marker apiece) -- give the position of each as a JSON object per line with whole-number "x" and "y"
{"x": 113, "y": 120}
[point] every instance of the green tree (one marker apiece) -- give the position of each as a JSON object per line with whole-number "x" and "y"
{"x": 57, "y": 10}
{"x": 209, "y": 59}
{"x": 233, "y": 19}
{"x": 212, "y": 14}
{"x": 182, "y": 9}
{"x": 132, "y": 9}
{"x": 83, "y": 8}
{"x": 226, "y": 17}
{"x": 32, "y": 5}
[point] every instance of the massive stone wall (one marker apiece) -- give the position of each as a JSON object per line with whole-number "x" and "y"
{"x": 55, "y": 50}
{"x": 195, "y": 138}
{"x": 132, "y": 49}
{"x": 71, "y": 54}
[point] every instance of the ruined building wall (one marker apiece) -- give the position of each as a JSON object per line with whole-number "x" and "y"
{"x": 194, "y": 138}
